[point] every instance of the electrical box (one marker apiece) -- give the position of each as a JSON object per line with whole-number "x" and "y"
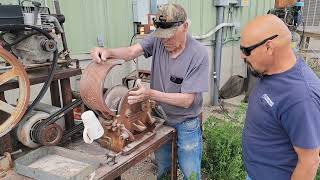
{"x": 242, "y": 3}
{"x": 141, "y": 9}
{"x": 221, "y": 2}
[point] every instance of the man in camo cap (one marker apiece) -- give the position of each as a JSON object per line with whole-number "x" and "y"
{"x": 179, "y": 76}
{"x": 172, "y": 13}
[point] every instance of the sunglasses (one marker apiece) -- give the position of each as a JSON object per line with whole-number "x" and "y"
{"x": 247, "y": 50}
{"x": 166, "y": 25}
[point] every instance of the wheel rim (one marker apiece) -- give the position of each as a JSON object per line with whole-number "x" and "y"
{"x": 16, "y": 112}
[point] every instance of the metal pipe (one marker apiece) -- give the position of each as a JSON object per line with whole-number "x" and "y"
{"x": 63, "y": 35}
{"x": 213, "y": 31}
{"x": 217, "y": 57}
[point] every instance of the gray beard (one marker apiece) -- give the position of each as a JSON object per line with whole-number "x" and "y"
{"x": 254, "y": 72}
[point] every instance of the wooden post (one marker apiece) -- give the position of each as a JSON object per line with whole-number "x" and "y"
{"x": 66, "y": 99}
{"x": 55, "y": 94}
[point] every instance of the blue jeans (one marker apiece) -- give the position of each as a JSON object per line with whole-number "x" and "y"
{"x": 189, "y": 150}
{"x": 248, "y": 178}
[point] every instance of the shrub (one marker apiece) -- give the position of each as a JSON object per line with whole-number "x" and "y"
{"x": 222, "y": 155}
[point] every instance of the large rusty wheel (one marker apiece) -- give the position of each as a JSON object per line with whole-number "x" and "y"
{"x": 11, "y": 115}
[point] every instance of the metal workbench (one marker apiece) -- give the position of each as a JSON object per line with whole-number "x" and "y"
{"x": 37, "y": 76}
{"x": 164, "y": 135}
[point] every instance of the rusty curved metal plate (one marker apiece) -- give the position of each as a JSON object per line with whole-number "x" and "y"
{"x": 17, "y": 112}
{"x": 92, "y": 85}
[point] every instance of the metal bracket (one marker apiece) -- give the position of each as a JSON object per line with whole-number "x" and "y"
{"x": 221, "y": 2}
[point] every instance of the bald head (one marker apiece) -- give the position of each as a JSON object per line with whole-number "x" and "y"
{"x": 266, "y": 45}
{"x": 263, "y": 27}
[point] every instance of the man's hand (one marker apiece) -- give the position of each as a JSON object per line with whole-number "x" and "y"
{"x": 140, "y": 95}
{"x": 100, "y": 54}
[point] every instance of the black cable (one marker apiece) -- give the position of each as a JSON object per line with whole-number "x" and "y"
{"x": 8, "y": 46}
{"x": 10, "y": 27}
{"x": 53, "y": 118}
{"x": 47, "y": 83}
{"x": 132, "y": 38}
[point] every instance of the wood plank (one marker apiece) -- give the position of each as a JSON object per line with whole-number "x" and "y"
{"x": 41, "y": 76}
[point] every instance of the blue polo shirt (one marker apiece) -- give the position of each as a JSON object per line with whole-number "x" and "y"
{"x": 283, "y": 112}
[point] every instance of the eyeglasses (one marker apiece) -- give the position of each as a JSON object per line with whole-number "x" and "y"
{"x": 166, "y": 25}
{"x": 247, "y": 50}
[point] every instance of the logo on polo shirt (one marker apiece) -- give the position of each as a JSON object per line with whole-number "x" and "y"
{"x": 268, "y": 100}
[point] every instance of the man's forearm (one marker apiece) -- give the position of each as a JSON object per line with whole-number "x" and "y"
{"x": 121, "y": 53}
{"x": 184, "y": 100}
{"x": 126, "y": 53}
{"x": 305, "y": 171}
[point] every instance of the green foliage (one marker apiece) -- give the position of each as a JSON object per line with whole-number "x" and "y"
{"x": 314, "y": 64}
{"x": 193, "y": 176}
{"x": 222, "y": 156}
{"x": 240, "y": 113}
{"x": 318, "y": 175}
{"x": 166, "y": 177}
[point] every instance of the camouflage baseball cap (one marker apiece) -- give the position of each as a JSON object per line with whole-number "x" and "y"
{"x": 168, "y": 19}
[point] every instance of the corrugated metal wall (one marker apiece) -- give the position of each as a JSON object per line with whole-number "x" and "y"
{"x": 202, "y": 12}
{"x": 112, "y": 20}
{"x": 86, "y": 19}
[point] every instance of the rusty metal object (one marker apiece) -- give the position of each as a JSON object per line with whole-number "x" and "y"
{"x": 137, "y": 114}
{"x": 123, "y": 123}
{"x": 92, "y": 85}
{"x": 131, "y": 123}
{"x": 18, "y": 111}
{"x": 51, "y": 135}
{"x": 6, "y": 162}
{"x": 113, "y": 97}
{"x": 284, "y": 3}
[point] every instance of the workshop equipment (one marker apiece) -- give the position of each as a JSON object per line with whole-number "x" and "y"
{"x": 123, "y": 123}
{"x": 24, "y": 45}
{"x": 30, "y": 43}
{"x": 290, "y": 11}
{"x": 26, "y": 130}
{"x": 6, "y": 162}
{"x": 14, "y": 114}
{"x": 92, "y": 127}
{"x": 57, "y": 163}
{"x": 284, "y": 3}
